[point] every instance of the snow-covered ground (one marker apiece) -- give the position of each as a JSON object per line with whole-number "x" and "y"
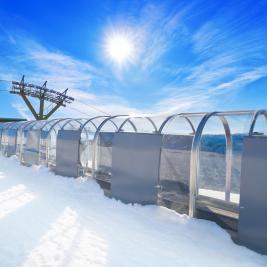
{"x": 48, "y": 220}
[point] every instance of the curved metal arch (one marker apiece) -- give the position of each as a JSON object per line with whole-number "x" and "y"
{"x": 104, "y": 122}
{"x": 23, "y": 125}
{"x": 133, "y": 125}
{"x": 86, "y": 131}
{"x": 14, "y": 124}
{"x": 96, "y": 136}
{"x": 55, "y": 123}
{"x": 153, "y": 124}
{"x": 172, "y": 117}
{"x": 47, "y": 123}
{"x": 11, "y": 124}
{"x": 71, "y": 120}
{"x": 40, "y": 122}
{"x": 124, "y": 122}
{"x": 32, "y": 124}
{"x": 194, "y": 160}
{"x": 254, "y": 120}
{"x": 91, "y": 119}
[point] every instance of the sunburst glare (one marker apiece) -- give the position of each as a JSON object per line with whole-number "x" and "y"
{"x": 120, "y": 48}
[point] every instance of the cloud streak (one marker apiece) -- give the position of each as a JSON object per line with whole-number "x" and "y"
{"x": 225, "y": 54}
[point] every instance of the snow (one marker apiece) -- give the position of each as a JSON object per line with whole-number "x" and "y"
{"x": 48, "y": 220}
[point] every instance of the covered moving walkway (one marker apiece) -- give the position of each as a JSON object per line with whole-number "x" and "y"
{"x": 195, "y": 163}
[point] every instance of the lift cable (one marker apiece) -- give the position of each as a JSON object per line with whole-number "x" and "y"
{"x": 81, "y": 112}
{"x": 93, "y": 107}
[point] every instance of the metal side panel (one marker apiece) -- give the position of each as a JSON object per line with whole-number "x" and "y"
{"x": 31, "y": 151}
{"x": 252, "y": 228}
{"x": 135, "y": 167}
{"x": 67, "y": 153}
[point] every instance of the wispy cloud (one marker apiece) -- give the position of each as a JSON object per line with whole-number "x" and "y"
{"x": 225, "y": 52}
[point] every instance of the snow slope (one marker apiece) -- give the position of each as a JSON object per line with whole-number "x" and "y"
{"x": 48, "y": 220}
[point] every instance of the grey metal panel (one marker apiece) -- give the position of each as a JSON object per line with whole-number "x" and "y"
{"x": 252, "y": 229}
{"x": 175, "y": 171}
{"x": 135, "y": 165}
{"x": 31, "y": 151}
{"x": 67, "y": 153}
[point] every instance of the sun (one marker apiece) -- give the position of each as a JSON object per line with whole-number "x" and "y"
{"x": 120, "y": 48}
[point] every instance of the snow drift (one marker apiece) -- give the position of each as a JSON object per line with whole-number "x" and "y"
{"x": 48, "y": 220}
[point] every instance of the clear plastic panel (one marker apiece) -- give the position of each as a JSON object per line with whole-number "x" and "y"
{"x": 175, "y": 164}
{"x": 239, "y": 126}
{"x": 212, "y": 160}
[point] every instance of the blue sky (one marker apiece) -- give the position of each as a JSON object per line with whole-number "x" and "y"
{"x": 188, "y": 55}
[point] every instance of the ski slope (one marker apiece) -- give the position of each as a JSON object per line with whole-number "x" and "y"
{"x": 48, "y": 220}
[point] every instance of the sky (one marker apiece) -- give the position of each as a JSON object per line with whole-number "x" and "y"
{"x": 186, "y": 55}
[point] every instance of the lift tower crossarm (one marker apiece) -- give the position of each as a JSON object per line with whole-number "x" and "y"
{"x": 61, "y": 99}
{"x": 42, "y": 93}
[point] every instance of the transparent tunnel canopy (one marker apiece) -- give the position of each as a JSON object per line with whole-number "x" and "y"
{"x": 177, "y": 136}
